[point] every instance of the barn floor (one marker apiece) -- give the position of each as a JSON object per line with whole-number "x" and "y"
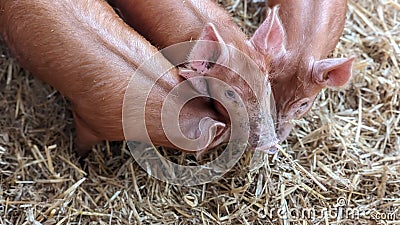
{"x": 341, "y": 165}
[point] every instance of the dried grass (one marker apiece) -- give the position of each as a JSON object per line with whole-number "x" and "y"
{"x": 344, "y": 156}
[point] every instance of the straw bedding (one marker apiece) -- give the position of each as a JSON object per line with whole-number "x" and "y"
{"x": 341, "y": 165}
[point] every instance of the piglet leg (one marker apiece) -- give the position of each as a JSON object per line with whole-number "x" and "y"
{"x": 85, "y": 138}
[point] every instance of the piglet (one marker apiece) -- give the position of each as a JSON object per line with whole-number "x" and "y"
{"x": 85, "y": 51}
{"x": 300, "y": 70}
{"x": 298, "y": 64}
{"x": 169, "y": 22}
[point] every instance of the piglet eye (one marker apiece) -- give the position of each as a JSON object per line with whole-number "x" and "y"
{"x": 304, "y": 105}
{"x": 230, "y": 94}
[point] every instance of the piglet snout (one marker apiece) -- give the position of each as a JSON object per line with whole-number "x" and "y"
{"x": 268, "y": 145}
{"x": 264, "y": 138}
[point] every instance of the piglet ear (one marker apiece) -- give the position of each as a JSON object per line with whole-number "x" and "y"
{"x": 210, "y": 133}
{"x": 209, "y": 130}
{"x": 270, "y": 37}
{"x": 333, "y": 72}
{"x": 196, "y": 80}
{"x": 210, "y": 49}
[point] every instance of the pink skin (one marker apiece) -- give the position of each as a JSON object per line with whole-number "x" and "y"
{"x": 300, "y": 70}
{"x": 84, "y": 50}
{"x": 206, "y": 20}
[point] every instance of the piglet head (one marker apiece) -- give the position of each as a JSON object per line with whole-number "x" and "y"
{"x": 245, "y": 75}
{"x": 296, "y": 79}
{"x": 296, "y": 86}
